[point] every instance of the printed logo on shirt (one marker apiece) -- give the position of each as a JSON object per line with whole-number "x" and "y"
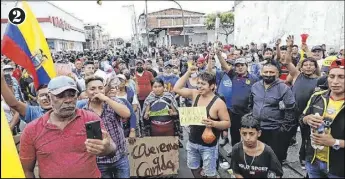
{"x": 227, "y": 83}
{"x": 253, "y": 168}
{"x": 248, "y": 82}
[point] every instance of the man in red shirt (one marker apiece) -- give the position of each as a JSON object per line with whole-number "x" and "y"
{"x": 144, "y": 79}
{"x": 57, "y": 140}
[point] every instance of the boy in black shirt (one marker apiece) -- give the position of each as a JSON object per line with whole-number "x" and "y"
{"x": 251, "y": 158}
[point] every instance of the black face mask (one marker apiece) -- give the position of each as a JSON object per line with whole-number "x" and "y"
{"x": 267, "y": 58}
{"x": 140, "y": 69}
{"x": 269, "y": 79}
{"x": 128, "y": 76}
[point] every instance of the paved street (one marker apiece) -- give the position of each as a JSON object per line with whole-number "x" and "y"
{"x": 292, "y": 160}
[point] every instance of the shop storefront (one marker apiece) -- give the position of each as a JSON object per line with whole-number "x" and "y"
{"x": 63, "y": 31}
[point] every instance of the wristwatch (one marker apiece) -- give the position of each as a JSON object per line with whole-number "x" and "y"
{"x": 336, "y": 145}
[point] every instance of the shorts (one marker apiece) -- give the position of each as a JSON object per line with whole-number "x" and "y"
{"x": 209, "y": 156}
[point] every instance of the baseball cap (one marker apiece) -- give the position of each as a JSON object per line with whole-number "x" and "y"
{"x": 60, "y": 84}
{"x": 339, "y": 63}
{"x": 201, "y": 60}
{"x": 168, "y": 64}
{"x": 139, "y": 61}
{"x": 7, "y": 67}
{"x": 240, "y": 61}
{"x": 120, "y": 61}
{"x": 316, "y": 48}
{"x": 121, "y": 76}
{"x": 149, "y": 61}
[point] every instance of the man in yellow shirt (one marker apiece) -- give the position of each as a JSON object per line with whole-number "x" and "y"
{"x": 325, "y": 116}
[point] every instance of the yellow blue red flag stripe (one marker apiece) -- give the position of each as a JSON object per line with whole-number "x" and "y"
{"x": 10, "y": 163}
{"x": 26, "y": 45}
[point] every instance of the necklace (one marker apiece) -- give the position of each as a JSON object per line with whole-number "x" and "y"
{"x": 245, "y": 161}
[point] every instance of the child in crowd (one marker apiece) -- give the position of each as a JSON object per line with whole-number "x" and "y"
{"x": 251, "y": 158}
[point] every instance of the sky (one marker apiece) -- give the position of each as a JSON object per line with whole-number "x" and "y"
{"x": 116, "y": 19}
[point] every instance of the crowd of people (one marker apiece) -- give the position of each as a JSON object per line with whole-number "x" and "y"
{"x": 260, "y": 96}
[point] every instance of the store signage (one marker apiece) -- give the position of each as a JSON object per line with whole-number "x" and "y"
{"x": 175, "y": 31}
{"x": 188, "y": 31}
{"x": 57, "y": 22}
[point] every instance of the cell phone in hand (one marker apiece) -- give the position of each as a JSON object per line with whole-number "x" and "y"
{"x": 8, "y": 79}
{"x": 132, "y": 71}
{"x": 93, "y": 130}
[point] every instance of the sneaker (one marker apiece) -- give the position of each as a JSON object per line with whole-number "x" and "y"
{"x": 302, "y": 162}
{"x": 224, "y": 165}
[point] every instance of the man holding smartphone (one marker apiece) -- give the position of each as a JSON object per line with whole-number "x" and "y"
{"x": 110, "y": 110}
{"x": 57, "y": 140}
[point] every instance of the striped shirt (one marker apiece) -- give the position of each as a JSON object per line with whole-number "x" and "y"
{"x": 113, "y": 124}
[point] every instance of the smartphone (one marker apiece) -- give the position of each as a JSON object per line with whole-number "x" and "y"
{"x": 132, "y": 71}
{"x": 93, "y": 130}
{"x": 8, "y": 79}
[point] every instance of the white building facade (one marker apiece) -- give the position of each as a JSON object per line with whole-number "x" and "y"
{"x": 94, "y": 36}
{"x": 266, "y": 21}
{"x": 63, "y": 31}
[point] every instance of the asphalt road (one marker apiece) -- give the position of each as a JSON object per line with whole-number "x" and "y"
{"x": 291, "y": 170}
{"x": 292, "y": 160}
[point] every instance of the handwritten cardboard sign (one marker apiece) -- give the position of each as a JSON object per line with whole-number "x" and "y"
{"x": 192, "y": 115}
{"x": 154, "y": 156}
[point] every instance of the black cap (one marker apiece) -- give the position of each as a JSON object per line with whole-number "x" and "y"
{"x": 168, "y": 64}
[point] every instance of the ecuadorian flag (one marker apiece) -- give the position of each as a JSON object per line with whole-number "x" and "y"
{"x": 26, "y": 45}
{"x": 10, "y": 162}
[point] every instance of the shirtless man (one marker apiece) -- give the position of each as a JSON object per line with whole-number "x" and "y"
{"x": 218, "y": 119}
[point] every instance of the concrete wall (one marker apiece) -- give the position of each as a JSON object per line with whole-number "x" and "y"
{"x": 267, "y": 21}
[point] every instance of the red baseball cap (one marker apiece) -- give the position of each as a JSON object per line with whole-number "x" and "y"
{"x": 339, "y": 63}
{"x": 201, "y": 60}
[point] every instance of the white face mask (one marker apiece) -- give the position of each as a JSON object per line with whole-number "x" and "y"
{"x": 194, "y": 75}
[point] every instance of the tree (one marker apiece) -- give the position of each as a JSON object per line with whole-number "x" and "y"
{"x": 226, "y": 24}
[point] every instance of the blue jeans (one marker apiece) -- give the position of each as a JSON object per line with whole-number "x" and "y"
{"x": 119, "y": 169}
{"x": 318, "y": 170}
{"x": 208, "y": 155}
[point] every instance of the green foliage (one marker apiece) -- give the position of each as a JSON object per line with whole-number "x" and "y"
{"x": 226, "y": 25}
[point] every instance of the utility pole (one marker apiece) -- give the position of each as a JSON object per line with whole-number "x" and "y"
{"x": 184, "y": 33}
{"x": 135, "y": 29}
{"x": 146, "y": 22}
